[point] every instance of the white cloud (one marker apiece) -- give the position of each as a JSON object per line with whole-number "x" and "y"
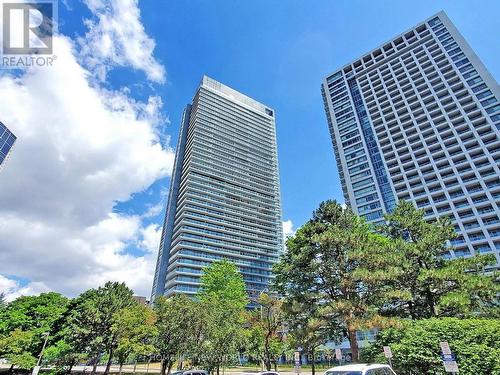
{"x": 80, "y": 150}
{"x": 151, "y": 238}
{"x": 288, "y": 229}
{"x": 153, "y": 210}
{"x": 116, "y": 37}
{"x": 11, "y": 289}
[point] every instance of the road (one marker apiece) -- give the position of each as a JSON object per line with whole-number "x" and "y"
{"x": 154, "y": 368}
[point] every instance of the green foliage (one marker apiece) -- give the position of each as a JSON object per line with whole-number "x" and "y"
{"x": 223, "y": 297}
{"x": 266, "y": 334}
{"x": 3, "y": 302}
{"x": 334, "y": 269}
{"x": 90, "y": 321}
{"x": 62, "y": 356}
{"x": 176, "y": 326}
{"x": 14, "y": 346}
{"x": 415, "y": 346}
{"x": 222, "y": 283}
{"x": 429, "y": 285}
{"x": 23, "y": 322}
{"x": 24, "y": 360}
{"x": 33, "y": 313}
{"x": 135, "y": 332}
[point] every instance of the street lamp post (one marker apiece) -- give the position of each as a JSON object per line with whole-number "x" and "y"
{"x": 37, "y": 367}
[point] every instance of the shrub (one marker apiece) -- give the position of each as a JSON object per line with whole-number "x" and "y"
{"x": 416, "y": 350}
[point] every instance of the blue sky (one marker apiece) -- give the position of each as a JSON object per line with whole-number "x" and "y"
{"x": 279, "y": 51}
{"x": 96, "y": 135}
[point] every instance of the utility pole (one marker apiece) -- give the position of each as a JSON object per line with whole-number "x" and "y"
{"x": 36, "y": 369}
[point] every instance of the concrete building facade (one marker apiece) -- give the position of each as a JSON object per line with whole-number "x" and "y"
{"x": 224, "y": 199}
{"x": 418, "y": 118}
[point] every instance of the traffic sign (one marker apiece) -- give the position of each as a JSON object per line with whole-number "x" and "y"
{"x": 445, "y": 347}
{"x": 387, "y": 352}
{"x": 450, "y": 366}
{"x": 338, "y": 354}
{"x": 448, "y": 357}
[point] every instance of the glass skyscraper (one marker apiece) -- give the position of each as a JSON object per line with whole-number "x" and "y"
{"x": 418, "y": 118}
{"x": 224, "y": 199}
{"x": 7, "y": 140}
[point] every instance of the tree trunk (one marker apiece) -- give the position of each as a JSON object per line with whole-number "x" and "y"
{"x": 94, "y": 366}
{"x": 430, "y": 302}
{"x": 71, "y": 364}
{"x": 351, "y": 333}
{"x": 313, "y": 369}
{"x": 11, "y": 368}
{"x": 412, "y": 312}
{"x": 120, "y": 370}
{"x": 108, "y": 365}
{"x": 217, "y": 369}
{"x": 135, "y": 365}
{"x": 169, "y": 367}
{"x": 163, "y": 367}
{"x": 267, "y": 364}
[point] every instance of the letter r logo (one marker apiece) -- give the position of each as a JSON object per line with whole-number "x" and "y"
{"x": 28, "y": 28}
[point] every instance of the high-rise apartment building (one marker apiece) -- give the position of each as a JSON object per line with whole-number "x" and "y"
{"x": 418, "y": 118}
{"x": 7, "y": 140}
{"x": 224, "y": 200}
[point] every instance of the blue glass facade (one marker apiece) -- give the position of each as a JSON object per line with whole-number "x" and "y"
{"x": 372, "y": 146}
{"x": 224, "y": 200}
{"x": 7, "y": 140}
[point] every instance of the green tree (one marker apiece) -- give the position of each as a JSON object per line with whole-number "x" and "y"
{"x": 32, "y": 316}
{"x": 222, "y": 282}
{"x": 63, "y": 356}
{"x": 267, "y": 330}
{"x": 3, "y": 302}
{"x": 224, "y": 298}
{"x": 15, "y": 347}
{"x": 335, "y": 261}
{"x": 416, "y": 350}
{"x": 176, "y": 324}
{"x": 91, "y": 319}
{"x": 310, "y": 327}
{"x": 430, "y": 285}
{"x": 34, "y": 313}
{"x": 135, "y": 330}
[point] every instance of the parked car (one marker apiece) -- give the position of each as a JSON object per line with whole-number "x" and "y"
{"x": 195, "y": 372}
{"x": 262, "y": 373}
{"x": 360, "y": 369}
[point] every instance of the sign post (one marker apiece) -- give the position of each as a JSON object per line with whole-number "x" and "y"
{"x": 449, "y": 360}
{"x": 297, "y": 362}
{"x": 338, "y": 355}
{"x": 388, "y": 354}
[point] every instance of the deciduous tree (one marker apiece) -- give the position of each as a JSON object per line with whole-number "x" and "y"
{"x": 15, "y": 347}
{"x": 223, "y": 296}
{"x": 135, "y": 331}
{"x": 267, "y": 330}
{"x": 91, "y": 320}
{"x": 176, "y": 324}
